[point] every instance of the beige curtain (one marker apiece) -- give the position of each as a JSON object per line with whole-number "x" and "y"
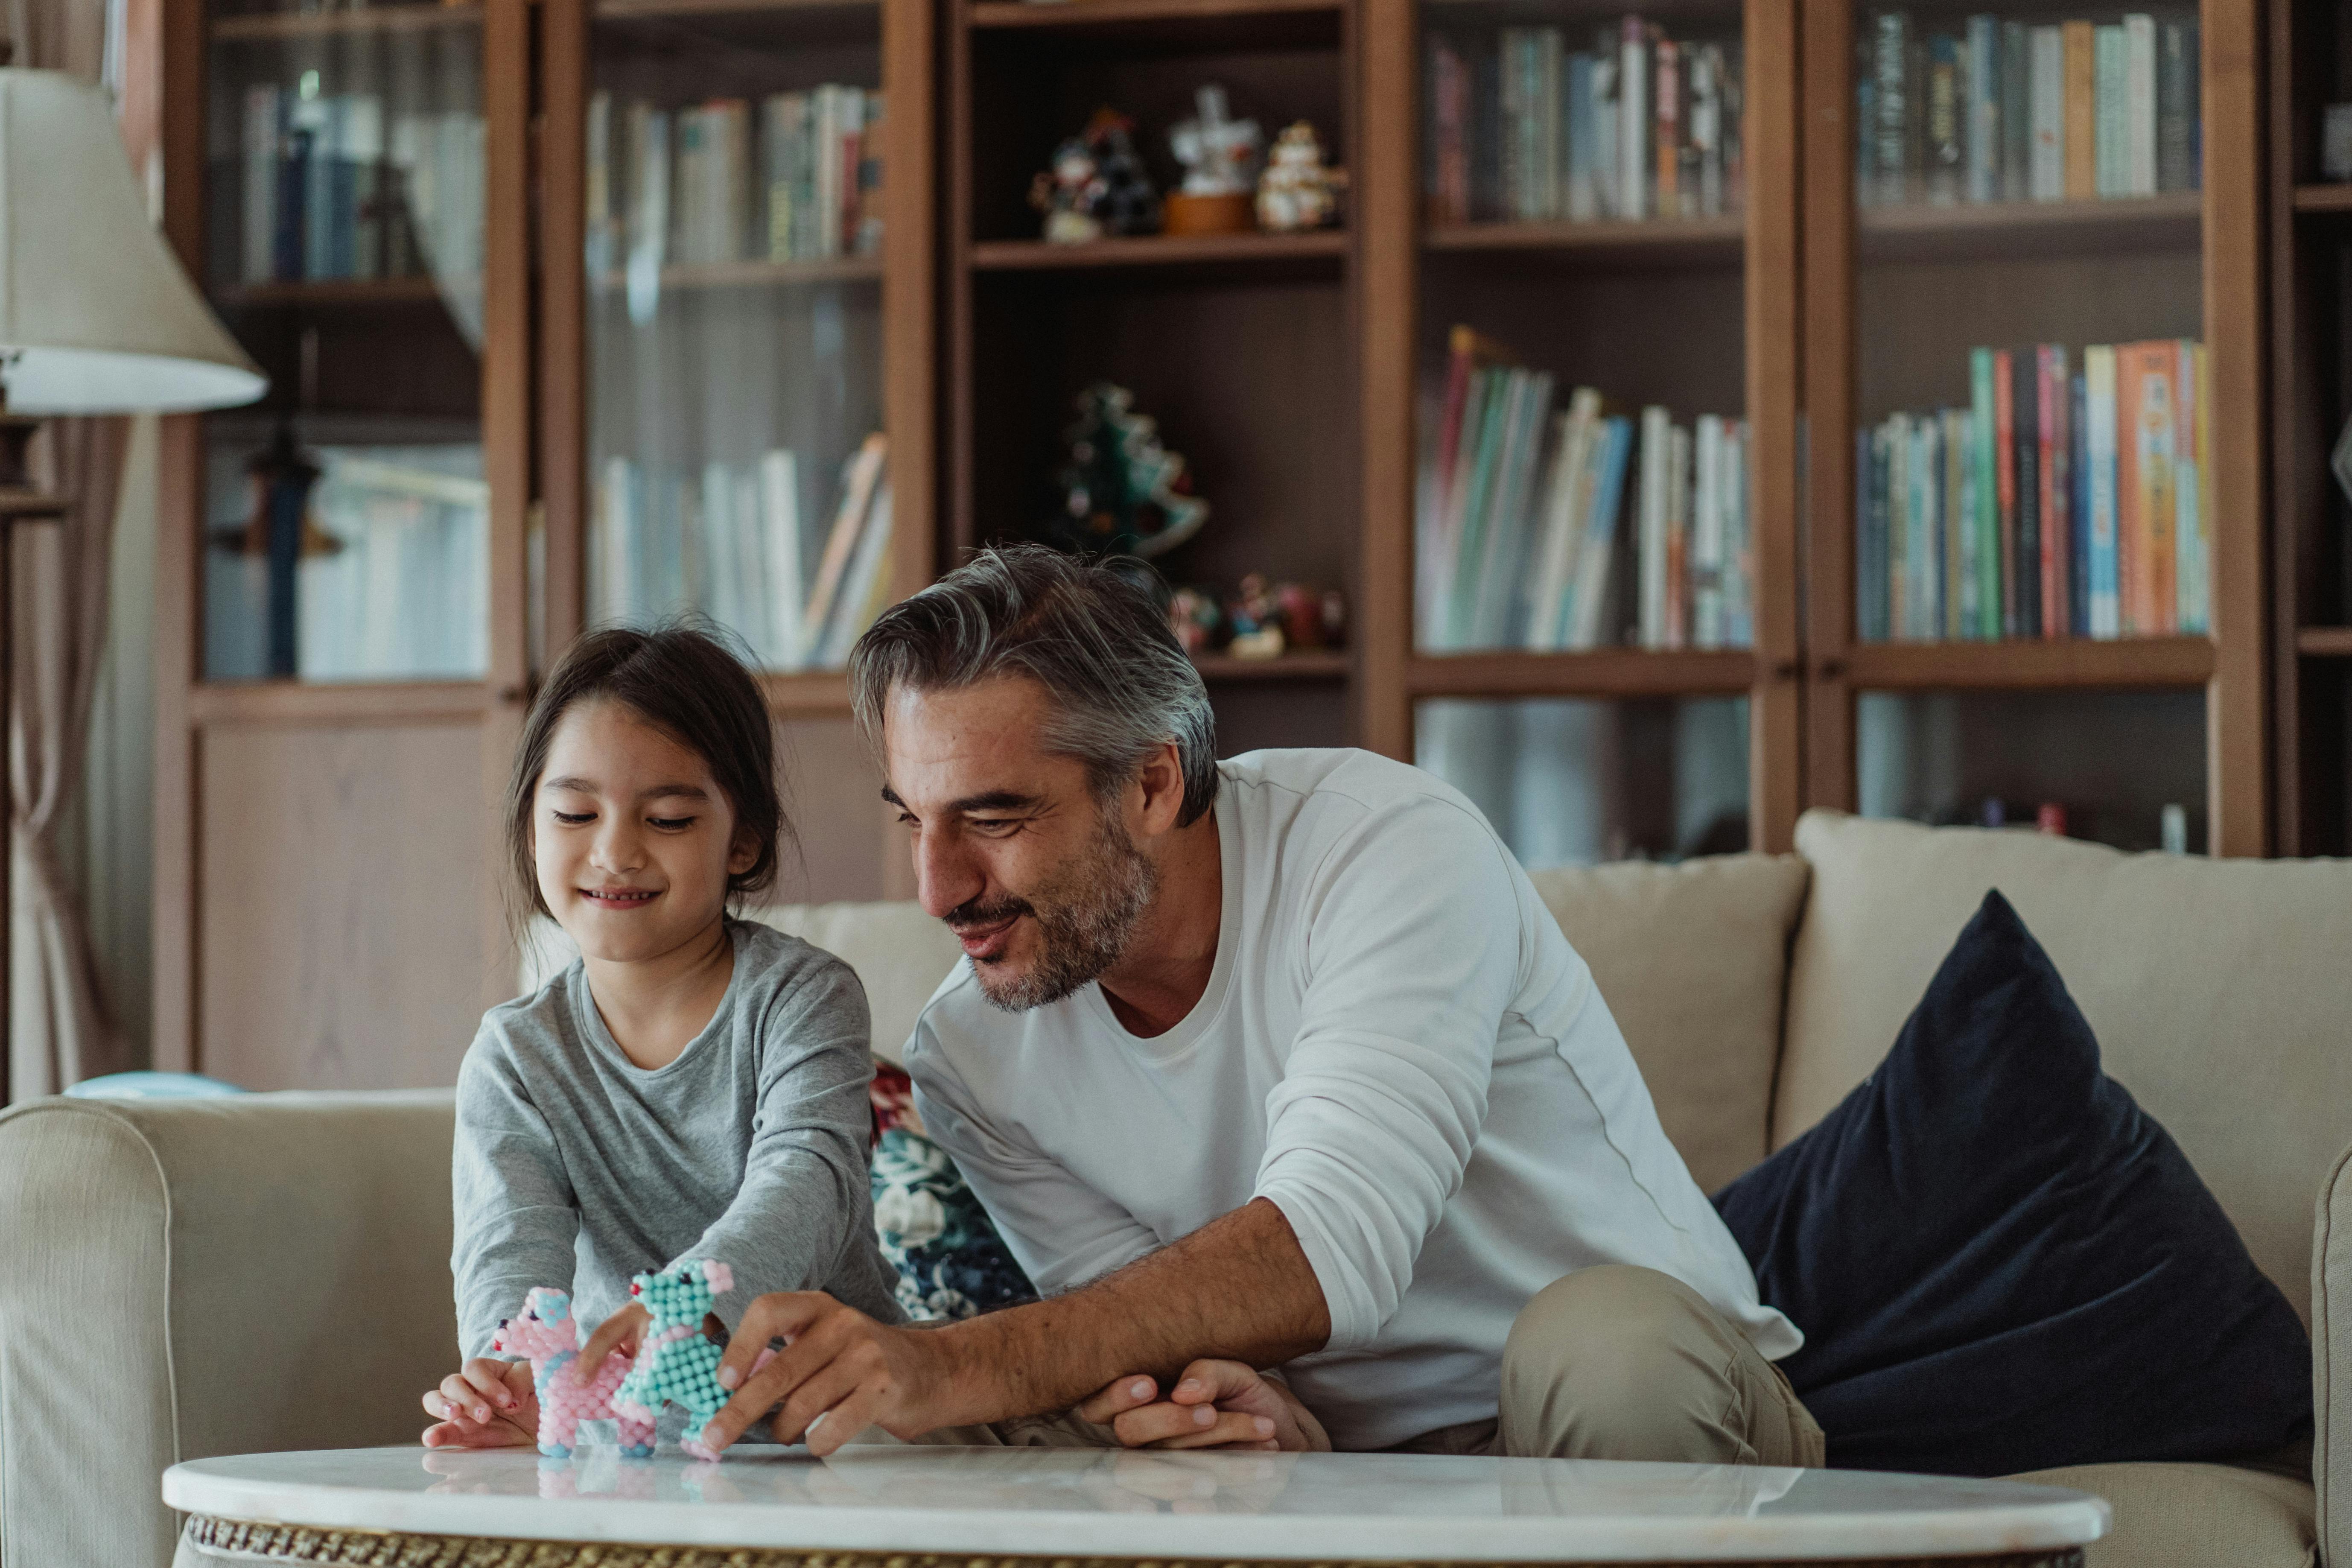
{"x": 59, "y": 1032}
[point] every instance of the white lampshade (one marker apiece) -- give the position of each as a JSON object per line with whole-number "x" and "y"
{"x": 96, "y": 316}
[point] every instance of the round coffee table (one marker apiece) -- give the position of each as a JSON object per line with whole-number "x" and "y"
{"x": 890, "y": 1506}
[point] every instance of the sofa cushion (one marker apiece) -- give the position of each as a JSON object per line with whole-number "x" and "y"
{"x": 1999, "y": 1261}
{"x": 1690, "y": 959}
{"x": 2220, "y": 991}
{"x": 2194, "y": 1516}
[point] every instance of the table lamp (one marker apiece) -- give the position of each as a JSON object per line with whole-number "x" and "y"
{"x": 95, "y": 317}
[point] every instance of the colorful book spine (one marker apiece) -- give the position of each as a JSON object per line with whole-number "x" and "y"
{"x": 2102, "y": 485}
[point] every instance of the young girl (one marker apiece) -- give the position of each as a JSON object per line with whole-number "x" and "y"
{"x": 695, "y": 1086}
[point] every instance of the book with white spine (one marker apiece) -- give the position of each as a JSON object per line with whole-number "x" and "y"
{"x": 263, "y": 134}
{"x": 780, "y": 517}
{"x": 1634, "y": 126}
{"x": 1650, "y": 538}
{"x": 2139, "y": 104}
{"x": 1708, "y": 533}
{"x": 1563, "y": 525}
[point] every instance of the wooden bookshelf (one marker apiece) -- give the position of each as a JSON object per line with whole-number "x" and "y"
{"x": 1289, "y": 370}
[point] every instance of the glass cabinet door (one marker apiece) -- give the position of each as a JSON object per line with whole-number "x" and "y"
{"x": 736, "y": 468}
{"x": 2030, "y": 457}
{"x": 1584, "y": 464}
{"x": 346, "y": 523}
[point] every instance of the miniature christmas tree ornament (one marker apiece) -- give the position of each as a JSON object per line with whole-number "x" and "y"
{"x": 1122, "y": 492}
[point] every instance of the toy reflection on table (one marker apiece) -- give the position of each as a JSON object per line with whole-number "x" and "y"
{"x": 1260, "y": 619}
{"x": 1096, "y": 185}
{"x": 1220, "y": 155}
{"x": 1296, "y": 191}
{"x": 1121, "y": 490}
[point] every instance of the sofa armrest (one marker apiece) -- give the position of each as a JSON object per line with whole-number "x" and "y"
{"x": 181, "y": 1278}
{"x": 2331, "y": 1361}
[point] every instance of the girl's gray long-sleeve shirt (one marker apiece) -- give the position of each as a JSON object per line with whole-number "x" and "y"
{"x": 576, "y": 1168}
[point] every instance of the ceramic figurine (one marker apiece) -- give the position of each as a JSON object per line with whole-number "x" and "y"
{"x": 1256, "y": 618}
{"x": 1193, "y": 617}
{"x": 1121, "y": 490}
{"x": 1097, "y": 185}
{"x": 1220, "y": 155}
{"x": 1297, "y": 192}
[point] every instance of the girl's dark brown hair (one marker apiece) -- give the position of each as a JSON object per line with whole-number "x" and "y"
{"x": 684, "y": 682}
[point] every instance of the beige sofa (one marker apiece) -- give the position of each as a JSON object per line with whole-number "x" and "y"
{"x": 179, "y": 1280}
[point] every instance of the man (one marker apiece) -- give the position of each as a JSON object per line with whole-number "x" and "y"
{"x": 1280, "y": 1061}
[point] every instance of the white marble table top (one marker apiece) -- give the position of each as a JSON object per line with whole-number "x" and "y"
{"x": 1079, "y": 1502}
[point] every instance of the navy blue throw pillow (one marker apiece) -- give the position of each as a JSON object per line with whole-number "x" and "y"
{"x": 2001, "y": 1263}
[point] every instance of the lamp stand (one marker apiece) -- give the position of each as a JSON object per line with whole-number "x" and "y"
{"x": 20, "y": 501}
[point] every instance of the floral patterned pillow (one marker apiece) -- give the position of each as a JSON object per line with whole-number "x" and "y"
{"x": 951, "y": 1261}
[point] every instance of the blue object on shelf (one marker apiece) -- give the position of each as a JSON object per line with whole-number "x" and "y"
{"x": 152, "y": 1086}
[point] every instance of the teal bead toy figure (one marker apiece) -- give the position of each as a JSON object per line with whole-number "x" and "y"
{"x": 676, "y": 1365}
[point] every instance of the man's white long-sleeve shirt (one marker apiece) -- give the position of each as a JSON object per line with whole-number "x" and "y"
{"x": 1397, "y": 1048}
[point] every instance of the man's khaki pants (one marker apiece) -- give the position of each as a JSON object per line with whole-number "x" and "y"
{"x": 1622, "y": 1362}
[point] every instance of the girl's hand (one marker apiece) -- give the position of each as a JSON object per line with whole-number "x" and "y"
{"x": 489, "y": 1403}
{"x": 1214, "y": 1404}
{"x": 622, "y": 1331}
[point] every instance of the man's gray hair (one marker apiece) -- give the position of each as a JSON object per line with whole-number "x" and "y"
{"x": 1089, "y": 633}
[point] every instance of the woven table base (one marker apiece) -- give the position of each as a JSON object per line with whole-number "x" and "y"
{"x": 373, "y": 1549}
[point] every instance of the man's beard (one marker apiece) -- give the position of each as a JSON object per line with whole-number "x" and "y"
{"x": 1086, "y": 913}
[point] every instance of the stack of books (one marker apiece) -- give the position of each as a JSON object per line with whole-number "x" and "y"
{"x": 726, "y": 540}
{"x": 1640, "y": 126}
{"x": 2067, "y": 499}
{"x": 332, "y": 186}
{"x": 796, "y": 178}
{"x": 2004, "y": 111}
{"x": 1525, "y": 537}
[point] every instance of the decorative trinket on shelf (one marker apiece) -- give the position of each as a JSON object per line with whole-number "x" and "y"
{"x": 1309, "y": 619}
{"x": 1193, "y": 617}
{"x": 1122, "y": 491}
{"x": 1297, "y": 192}
{"x": 1220, "y": 156}
{"x": 1255, "y": 614}
{"x": 1097, "y": 185}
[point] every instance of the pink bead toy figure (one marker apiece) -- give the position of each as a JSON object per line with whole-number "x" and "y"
{"x": 548, "y": 1335}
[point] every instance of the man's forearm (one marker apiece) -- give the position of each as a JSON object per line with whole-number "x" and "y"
{"x": 1239, "y": 1287}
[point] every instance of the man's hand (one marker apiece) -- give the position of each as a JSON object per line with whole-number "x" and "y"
{"x": 840, "y": 1373}
{"x": 1214, "y": 1404}
{"x": 489, "y": 1403}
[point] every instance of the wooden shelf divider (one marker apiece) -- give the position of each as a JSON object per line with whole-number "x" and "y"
{"x": 2323, "y": 198}
{"x": 1307, "y": 664}
{"x": 276, "y": 26}
{"x": 1647, "y": 237}
{"x": 1059, "y": 14}
{"x": 2325, "y": 641}
{"x": 1157, "y": 249}
{"x": 2124, "y": 663}
{"x": 1597, "y": 672}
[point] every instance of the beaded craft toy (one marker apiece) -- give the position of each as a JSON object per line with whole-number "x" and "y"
{"x": 549, "y": 1336}
{"x": 676, "y": 1365}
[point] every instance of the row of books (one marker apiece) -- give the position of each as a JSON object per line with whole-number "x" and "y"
{"x": 797, "y": 177}
{"x": 336, "y": 186}
{"x": 1525, "y": 540}
{"x": 726, "y": 540}
{"x": 2003, "y": 111}
{"x": 399, "y": 588}
{"x": 2069, "y": 499}
{"x": 1640, "y": 126}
